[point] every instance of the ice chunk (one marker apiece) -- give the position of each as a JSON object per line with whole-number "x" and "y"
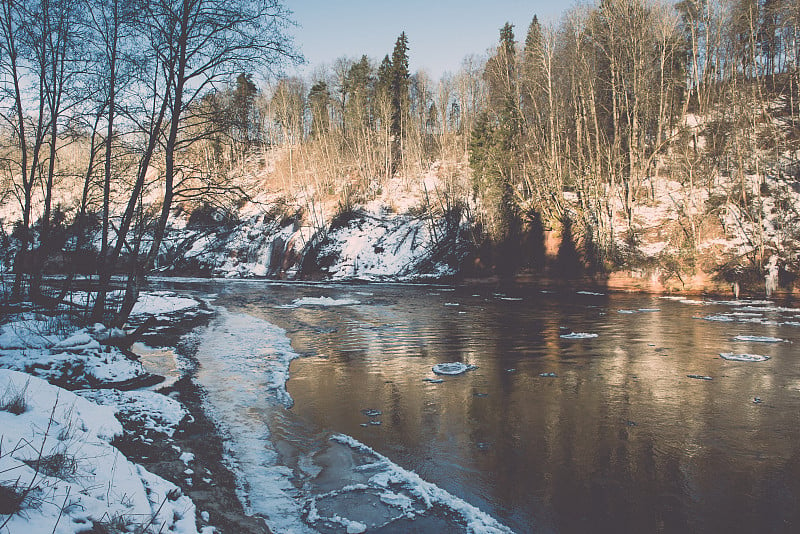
{"x": 354, "y": 527}
{"x": 759, "y": 339}
{"x": 452, "y": 368}
{"x": 320, "y": 301}
{"x": 578, "y": 335}
{"x": 743, "y": 357}
{"x": 723, "y": 318}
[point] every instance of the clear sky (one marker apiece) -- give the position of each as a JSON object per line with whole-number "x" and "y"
{"x": 440, "y": 32}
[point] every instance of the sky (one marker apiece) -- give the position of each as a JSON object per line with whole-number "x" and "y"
{"x": 441, "y": 33}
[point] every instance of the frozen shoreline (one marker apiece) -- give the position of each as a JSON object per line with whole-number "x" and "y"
{"x": 241, "y": 357}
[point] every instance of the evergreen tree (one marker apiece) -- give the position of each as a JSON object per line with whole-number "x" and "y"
{"x": 532, "y": 72}
{"x": 319, "y": 99}
{"x": 358, "y": 82}
{"x": 242, "y": 107}
{"x": 496, "y": 141}
{"x": 398, "y": 92}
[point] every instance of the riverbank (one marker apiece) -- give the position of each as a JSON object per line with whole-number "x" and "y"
{"x": 168, "y": 469}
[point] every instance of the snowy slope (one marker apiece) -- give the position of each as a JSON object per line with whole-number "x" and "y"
{"x": 57, "y": 461}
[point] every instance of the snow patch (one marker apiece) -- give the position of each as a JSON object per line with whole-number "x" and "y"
{"x": 152, "y": 411}
{"x": 93, "y": 481}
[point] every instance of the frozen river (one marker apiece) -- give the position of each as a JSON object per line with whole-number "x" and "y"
{"x": 584, "y": 412}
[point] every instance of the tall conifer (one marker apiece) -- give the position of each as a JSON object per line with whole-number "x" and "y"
{"x": 398, "y": 92}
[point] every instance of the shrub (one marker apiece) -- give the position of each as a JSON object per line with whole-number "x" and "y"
{"x": 12, "y": 498}
{"x": 13, "y": 400}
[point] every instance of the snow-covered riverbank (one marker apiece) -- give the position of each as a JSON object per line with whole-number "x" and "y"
{"x": 60, "y": 466}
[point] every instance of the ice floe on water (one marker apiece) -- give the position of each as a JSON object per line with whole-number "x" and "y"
{"x": 759, "y": 339}
{"x": 452, "y": 368}
{"x": 720, "y": 318}
{"x": 743, "y": 357}
{"x": 578, "y": 335}
{"x": 737, "y": 317}
{"x": 320, "y": 301}
{"x": 383, "y": 493}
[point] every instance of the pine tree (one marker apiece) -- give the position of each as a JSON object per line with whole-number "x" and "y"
{"x": 357, "y": 84}
{"x": 496, "y": 140}
{"x": 243, "y": 98}
{"x": 398, "y": 92}
{"x": 319, "y": 99}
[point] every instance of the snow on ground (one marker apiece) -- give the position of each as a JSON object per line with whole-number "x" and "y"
{"x": 162, "y": 303}
{"x": 375, "y": 247}
{"x": 55, "y": 452}
{"x": 53, "y": 349}
{"x": 57, "y": 460}
{"x": 374, "y": 241}
{"x": 151, "y": 411}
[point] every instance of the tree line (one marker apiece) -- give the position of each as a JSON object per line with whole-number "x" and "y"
{"x": 561, "y": 126}
{"x": 568, "y": 124}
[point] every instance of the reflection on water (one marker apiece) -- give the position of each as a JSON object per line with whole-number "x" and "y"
{"x": 551, "y": 434}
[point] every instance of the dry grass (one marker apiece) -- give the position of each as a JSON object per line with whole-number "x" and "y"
{"x": 13, "y": 400}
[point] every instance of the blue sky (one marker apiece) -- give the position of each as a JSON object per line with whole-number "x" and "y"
{"x": 440, "y": 32}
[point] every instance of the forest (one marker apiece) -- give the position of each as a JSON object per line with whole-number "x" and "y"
{"x": 647, "y": 136}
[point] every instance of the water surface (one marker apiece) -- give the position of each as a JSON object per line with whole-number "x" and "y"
{"x": 547, "y": 434}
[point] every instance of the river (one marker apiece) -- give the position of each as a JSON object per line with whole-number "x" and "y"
{"x": 634, "y": 424}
